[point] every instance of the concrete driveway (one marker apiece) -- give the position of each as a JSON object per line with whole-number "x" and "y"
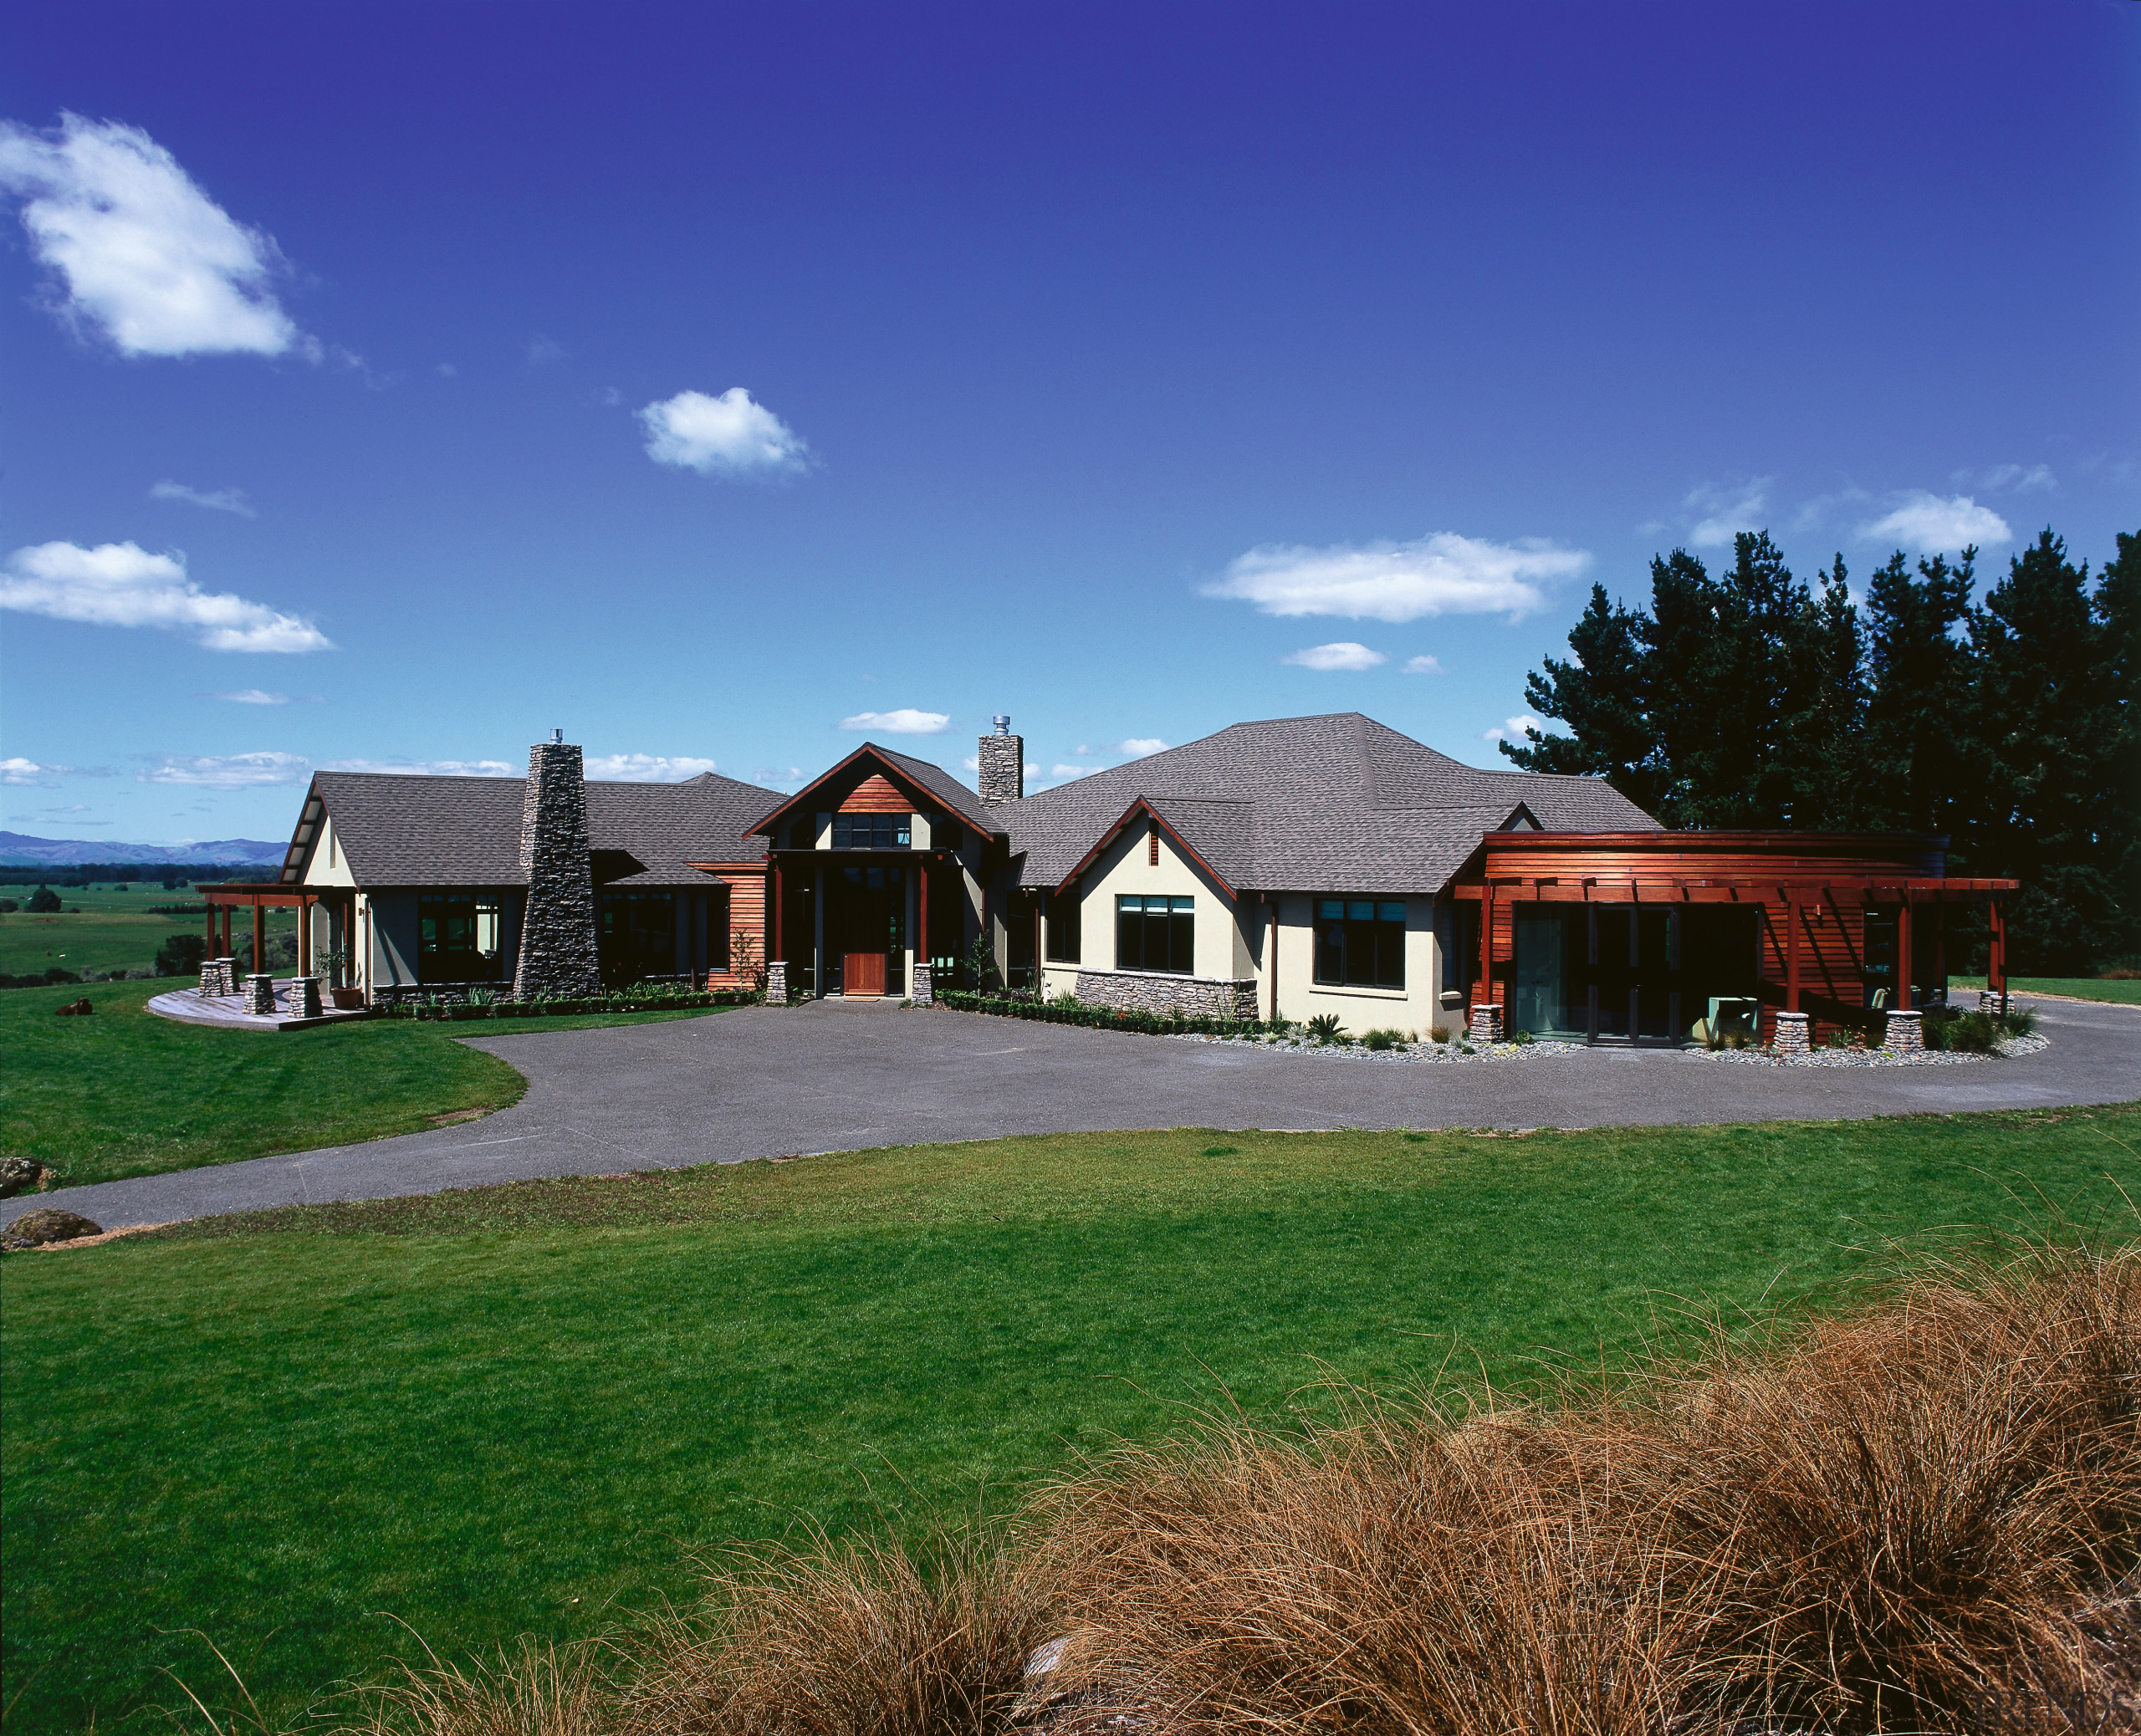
{"x": 761, "y": 1082}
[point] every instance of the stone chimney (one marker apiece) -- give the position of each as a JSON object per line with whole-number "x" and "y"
{"x": 558, "y": 959}
{"x": 1003, "y": 763}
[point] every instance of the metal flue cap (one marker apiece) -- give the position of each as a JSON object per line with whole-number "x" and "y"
{"x": 1002, "y": 720}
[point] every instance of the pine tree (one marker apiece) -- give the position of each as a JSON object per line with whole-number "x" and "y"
{"x": 1601, "y": 694}
{"x": 1920, "y": 705}
{"x": 2117, "y": 607}
{"x": 2049, "y": 729}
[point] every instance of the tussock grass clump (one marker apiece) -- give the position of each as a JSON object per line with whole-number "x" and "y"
{"x": 530, "y": 1689}
{"x": 864, "y": 1640}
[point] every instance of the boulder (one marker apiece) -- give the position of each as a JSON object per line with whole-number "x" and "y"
{"x": 34, "y": 1229}
{"x": 19, "y": 1175}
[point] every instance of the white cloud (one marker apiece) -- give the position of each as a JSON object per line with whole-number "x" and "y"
{"x": 903, "y": 722}
{"x": 1346, "y": 654}
{"x": 541, "y": 349}
{"x": 28, "y": 771}
{"x": 249, "y": 696}
{"x": 1138, "y": 746}
{"x": 2009, "y": 478}
{"x": 145, "y": 256}
{"x": 1421, "y": 666}
{"x": 1727, "y": 513}
{"x": 646, "y": 768}
{"x": 226, "y": 771}
{"x": 220, "y": 500}
{"x": 1442, "y": 575}
{"x": 727, "y": 436}
{"x": 446, "y": 370}
{"x": 1513, "y": 728}
{"x": 118, "y": 584}
{"x": 1066, "y": 772}
{"x": 430, "y": 768}
{"x": 1932, "y": 525}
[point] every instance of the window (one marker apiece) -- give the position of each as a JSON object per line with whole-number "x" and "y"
{"x": 639, "y": 936}
{"x": 1063, "y": 929}
{"x": 458, "y": 936}
{"x": 871, "y": 832}
{"x": 1155, "y": 934}
{"x": 944, "y": 833}
{"x": 1360, "y": 943}
{"x": 1879, "y": 972}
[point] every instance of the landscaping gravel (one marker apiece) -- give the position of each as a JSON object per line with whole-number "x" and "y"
{"x": 1445, "y": 1053}
{"x": 2012, "y": 1048}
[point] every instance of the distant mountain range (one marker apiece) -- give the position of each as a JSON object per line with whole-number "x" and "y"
{"x": 19, "y": 851}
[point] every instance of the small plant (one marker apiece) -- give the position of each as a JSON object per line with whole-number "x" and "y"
{"x": 1437, "y": 1034}
{"x": 1325, "y": 1028}
{"x": 1521, "y": 1038}
{"x": 1382, "y": 1040}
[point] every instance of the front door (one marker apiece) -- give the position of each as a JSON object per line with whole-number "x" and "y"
{"x": 1635, "y": 986}
{"x": 864, "y": 924}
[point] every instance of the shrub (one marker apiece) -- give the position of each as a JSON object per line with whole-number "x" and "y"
{"x": 1382, "y": 1040}
{"x": 9, "y": 906}
{"x": 1437, "y": 1034}
{"x": 1324, "y": 1028}
{"x": 44, "y": 899}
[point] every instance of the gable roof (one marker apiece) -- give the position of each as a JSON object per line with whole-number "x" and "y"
{"x": 933, "y": 781}
{"x": 1337, "y": 803}
{"x": 395, "y": 829}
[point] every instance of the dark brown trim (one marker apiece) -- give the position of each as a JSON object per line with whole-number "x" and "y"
{"x": 1141, "y": 806}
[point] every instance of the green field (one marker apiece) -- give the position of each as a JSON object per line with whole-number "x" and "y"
{"x": 522, "y": 1409}
{"x": 2121, "y": 993}
{"x": 123, "y": 1093}
{"x": 112, "y": 930}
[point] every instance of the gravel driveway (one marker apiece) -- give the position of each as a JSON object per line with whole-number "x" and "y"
{"x": 759, "y": 1082}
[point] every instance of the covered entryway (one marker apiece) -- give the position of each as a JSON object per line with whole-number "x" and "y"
{"x": 866, "y": 929}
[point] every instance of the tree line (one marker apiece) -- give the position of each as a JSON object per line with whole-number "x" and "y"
{"x": 1751, "y": 698}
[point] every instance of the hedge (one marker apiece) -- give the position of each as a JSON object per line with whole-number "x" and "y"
{"x": 1106, "y": 1018}
{"x": 456, "y": 1012}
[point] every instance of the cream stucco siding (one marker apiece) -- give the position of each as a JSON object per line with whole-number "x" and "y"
{"x": 1415, "y": 1006}
{"x": 1125, "y": 868}
{"x": 327, "y": 866}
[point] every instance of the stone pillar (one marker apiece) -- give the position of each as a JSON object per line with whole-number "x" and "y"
{"x": 777, "y": 982}
{"x": 924, "y": 993}
{"x": 1486, "y": 1026}
{"x": 1903, "y": 1035}
{"x": 308, "y": 996}
{"x": 260, "y": 995}
{"x": 558, "y": 959}
{"x": 1002, "y": 777}
{"x": 1791, "y": 1035}
{"x": 212, "y": 976}
{"x": 1991, "y": 1001}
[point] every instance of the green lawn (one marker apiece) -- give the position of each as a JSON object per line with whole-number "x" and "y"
{"x": 123, "y": 1093}
{"x": 2080, "y": 988}
{"x": 522, "y": 1409}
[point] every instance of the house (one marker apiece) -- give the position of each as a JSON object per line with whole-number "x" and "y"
{"x": 1292, "y": 867}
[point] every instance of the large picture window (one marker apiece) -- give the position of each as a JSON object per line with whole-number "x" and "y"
{"x": 1062, "y": 930}
{"x": 872, "y": 831}
{"x": 1359, "y": 943}
{"x": 457, "y": 937}
{"x": 1155, "y": 934}
{"x": 639, "y": 936}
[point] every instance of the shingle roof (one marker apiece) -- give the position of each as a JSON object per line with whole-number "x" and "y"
{"x": 401, "y": 830}
{"x": 1337, "y": 803}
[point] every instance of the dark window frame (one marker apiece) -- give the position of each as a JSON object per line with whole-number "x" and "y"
{"x": 1168, "y": 933}
{"x": 1063, "y": 928}
{"x": 877, "y": 831}
{"x": 438, "y": 960}
{"x": 1359, "y": 943}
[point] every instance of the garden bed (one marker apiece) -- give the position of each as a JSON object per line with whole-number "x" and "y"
{"x": 457, "y": 1012}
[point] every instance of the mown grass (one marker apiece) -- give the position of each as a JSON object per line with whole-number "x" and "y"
{"x": 125, "y": 1093}
{"x": 523, "y": 1409}
{"x": 2120, "y": 992}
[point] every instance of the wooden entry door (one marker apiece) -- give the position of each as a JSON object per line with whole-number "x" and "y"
{"x": 1635, "y": 986}
{"x": 863, "y": 973}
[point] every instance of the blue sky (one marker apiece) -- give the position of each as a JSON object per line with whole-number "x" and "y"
{"x": 387, "y": 385}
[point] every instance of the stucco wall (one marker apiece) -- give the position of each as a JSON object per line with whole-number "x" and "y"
{"x": 1223, "y": 952}
{"x": 329, "y": 866}
{"x": 393, "y": 952}
{"x": 1415, "y": 1006}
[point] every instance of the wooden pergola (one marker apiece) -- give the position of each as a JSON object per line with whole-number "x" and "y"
{"x": 230, "y": 896}
{"x": 1801, "y": 883}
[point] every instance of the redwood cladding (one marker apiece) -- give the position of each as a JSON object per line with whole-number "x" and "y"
{"x": 875, "y": 794}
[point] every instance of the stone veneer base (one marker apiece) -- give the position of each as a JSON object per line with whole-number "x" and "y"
{"x": 923, "y": 990}
{"x": 1486, "y": 1023}
{"x": 777, "y": 982}
{"x": 1190, "y": 997}
{"x": 1792, "y": 1036}
{"x": 260, "y": 995}
{"x": 1903, "y": 1035}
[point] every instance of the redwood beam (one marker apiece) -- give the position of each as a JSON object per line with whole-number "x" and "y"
{"x": 305, "y": 937}
{"x": 1791, "y": 954}
{"x": 1902, "y": 953}
{"x": 920, "y": 909}
{"x": 259, "y": 936}
{"x": 1486, "y": 963}
{"x": 777, "y": 941}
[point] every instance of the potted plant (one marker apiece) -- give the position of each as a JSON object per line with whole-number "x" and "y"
{"x": 346, "y": 999}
